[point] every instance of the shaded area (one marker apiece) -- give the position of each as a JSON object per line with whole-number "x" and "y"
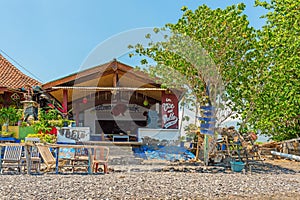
{"x": 269, "y": 168}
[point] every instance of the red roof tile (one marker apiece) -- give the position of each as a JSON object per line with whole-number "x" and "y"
{"x": 12, "y": 77}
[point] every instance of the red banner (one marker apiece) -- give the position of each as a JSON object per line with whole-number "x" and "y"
{"x": 169, "y": 111}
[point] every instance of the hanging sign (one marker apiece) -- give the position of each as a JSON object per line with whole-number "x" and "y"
{"x": 169, "y": 111}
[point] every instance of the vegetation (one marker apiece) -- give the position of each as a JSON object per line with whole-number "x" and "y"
{"x": 48, "y": 119}
{"x": 45, "y": 138}
{"x": 6, "y": 133}
{"x": 277, "y": 108}
{"x": 45, "y": 126}
{"x": 10, "y": 115}
{"x": 259, "y": 69}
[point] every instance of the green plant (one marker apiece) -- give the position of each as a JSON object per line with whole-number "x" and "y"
{"x": 41, "y": 126}
{"x": 24, "y": 124}
{"x": 47, "y": 119}
{"x": 191, "y": 132}
{"x": 182, "y": 139}
{"x": 45, "y": 138}
{"x": 6, "y": 134}
{"x": 10, "y": 116}
{"x": 55, "y": 123}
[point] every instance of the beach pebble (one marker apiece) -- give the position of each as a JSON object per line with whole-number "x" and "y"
{"x": 155, "y": 182}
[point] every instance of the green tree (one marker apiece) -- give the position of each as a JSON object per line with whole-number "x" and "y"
{"x": 203, "y": 48}
{"x": 259, "y": 68}
{"x": 277, "y": 110}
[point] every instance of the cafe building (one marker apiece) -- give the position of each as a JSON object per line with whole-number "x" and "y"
{"x": 116, "y": 102}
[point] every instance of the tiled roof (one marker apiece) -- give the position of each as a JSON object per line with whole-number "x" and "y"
{"x": 12, "y": 77}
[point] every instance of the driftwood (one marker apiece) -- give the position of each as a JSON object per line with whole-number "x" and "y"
{"x": 269, "y": 145}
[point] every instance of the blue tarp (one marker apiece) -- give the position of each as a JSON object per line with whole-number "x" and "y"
{"x": 170, "y": 153}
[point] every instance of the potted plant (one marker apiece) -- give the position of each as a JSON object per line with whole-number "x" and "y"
{"x": 46, "y": 126}
{"x": 9, "y": 116}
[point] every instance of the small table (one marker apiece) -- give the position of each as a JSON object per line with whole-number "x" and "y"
{"x": 121, "y": 137}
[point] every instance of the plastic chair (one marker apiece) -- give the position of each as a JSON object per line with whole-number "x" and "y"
{"x": 100, "y": 157}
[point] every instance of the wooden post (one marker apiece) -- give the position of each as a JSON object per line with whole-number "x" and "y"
{"x": 206, "y": 149}
{"x": 57, "y": 161}
{"x": 28, "y": 158}
{"x": 198, "y": 146}
{"x": 102, "y": 136}
{"x": 77, "y": 113}
{"x": 227, "y": 146}
{"x": 65, "y": 102}
{"x": 90, "y": 167}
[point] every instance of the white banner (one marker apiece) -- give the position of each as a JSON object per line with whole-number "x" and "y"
{"x": 73, "y": 134}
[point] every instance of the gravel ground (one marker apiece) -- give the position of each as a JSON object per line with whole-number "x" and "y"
{"x": 157, "y": 182}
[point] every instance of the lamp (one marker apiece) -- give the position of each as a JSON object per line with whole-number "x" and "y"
{"x": 146, "y": 102}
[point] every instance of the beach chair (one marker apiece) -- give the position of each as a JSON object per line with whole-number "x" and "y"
{"x": 100, "y": 157}
{"x": 35, "y": 156}
{"x": 12, "y": 158}
{"x": 48, "y": 158}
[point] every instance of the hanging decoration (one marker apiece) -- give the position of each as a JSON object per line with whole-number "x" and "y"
{"x": 84, "y": 100}
{"x": 15, "y": 97}
{"x": 146, "y": 102}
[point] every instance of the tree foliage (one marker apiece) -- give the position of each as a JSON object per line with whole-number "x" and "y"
{"x": 259, "y": 68}
{"x": 277, "y": 110}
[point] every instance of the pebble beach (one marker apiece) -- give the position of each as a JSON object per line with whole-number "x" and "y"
{"x": 157, "y": 182}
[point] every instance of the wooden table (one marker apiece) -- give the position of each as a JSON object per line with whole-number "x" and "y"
{"x": 27, "y": 147}
{"x": 58, "y": 146}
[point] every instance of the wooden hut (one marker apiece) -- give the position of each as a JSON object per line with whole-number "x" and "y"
{"x": 117, "y": 102}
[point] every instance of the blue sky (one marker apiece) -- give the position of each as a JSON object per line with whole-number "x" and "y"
{"x": 52, "y": 39}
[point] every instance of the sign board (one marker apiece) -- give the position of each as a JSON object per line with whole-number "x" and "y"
{"x": 73, "y": 134}
{"x": 207, "y": 125}
{"x": 169, "y": 111}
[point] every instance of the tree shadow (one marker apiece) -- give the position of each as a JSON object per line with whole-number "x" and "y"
{"x": 268, "y": 168}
